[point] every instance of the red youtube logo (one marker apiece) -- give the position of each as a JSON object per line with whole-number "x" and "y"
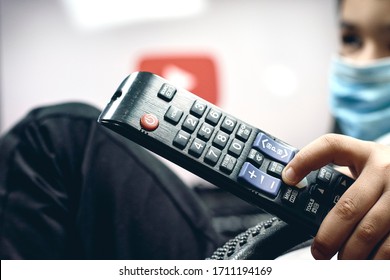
{"x": 195, "y": 73}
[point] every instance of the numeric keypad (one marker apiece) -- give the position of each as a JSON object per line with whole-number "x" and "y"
{"x": 212, "y": 135}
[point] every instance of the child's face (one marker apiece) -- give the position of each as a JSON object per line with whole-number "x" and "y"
{"x": 365, "y": 29}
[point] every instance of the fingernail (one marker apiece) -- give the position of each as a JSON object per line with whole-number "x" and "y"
{"x": 289, "y": 175}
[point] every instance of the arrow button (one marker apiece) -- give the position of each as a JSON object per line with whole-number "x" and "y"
{"x": 318, "y": 191}
{"x": 273, "y": 149}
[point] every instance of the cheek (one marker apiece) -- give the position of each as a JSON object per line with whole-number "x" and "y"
{"x": 346, "y": 52}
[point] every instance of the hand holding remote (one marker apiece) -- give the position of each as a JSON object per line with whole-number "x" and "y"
{"x": 358, "y": 227}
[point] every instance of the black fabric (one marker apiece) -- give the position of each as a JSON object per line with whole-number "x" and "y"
{"x": 265, "y": 241}
{"x": 72, "y": 189}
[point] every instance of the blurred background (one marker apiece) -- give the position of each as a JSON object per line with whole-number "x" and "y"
{"x": 263, "y": 61}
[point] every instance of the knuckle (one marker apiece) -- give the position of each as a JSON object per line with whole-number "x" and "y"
{"x": 381, "y": 159}
{"x": 366, "y": 233}
{"x": 346, "y": 208}
{"x": 385, "y": 169}
{"x": 331, "y": 140}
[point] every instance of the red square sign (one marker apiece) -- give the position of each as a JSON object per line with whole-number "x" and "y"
{"x": 195, "y": 73}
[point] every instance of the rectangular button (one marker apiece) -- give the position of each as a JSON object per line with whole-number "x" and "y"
{"x": 258, "y": 179}
{"x": 312, "y": 208}
{"x": 166, "y": 92}
{"x": 228, "y": 124}
{"x": 291, "y": 195}
{"x": 275, "y": 169}
{"x": 197, "y": 147}
{"x": 212, "y": 155}
{"x": 243, "y": 132}
{"x": 228, "y": 164}
{"x": 255, "y": 157}
{"x": 275, "y": 150}
{"x": 181, "y": 139}
{"x": 173, "y": 115}
{"x": 198, "y": 108}
{"x": 213, "y": 116}
{"x": 325, "y": 175}
{"x": 190, "y": 123}
{"x": 343, "y": 183}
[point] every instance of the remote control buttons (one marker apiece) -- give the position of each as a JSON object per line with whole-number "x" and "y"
{"x": 341, "y": 186}
{"x": 181, "y": 139}
{"x": 149, "y": 122}
{"x": 325, "y": 175}
{"x": 259, "y": 180}
{"x": 236, "y": 148}
{"x": 220, "y": 139}
{"x": 213, "y": 116}
{"x": 205, "y": 132}
{"x": 228, "y": 124}
{"x": 173, "y": 115}
{"x": 255, "y": 157}
{"x": 190, "y": 123}
{"x": 290, "y": 195}
{"x": 275, "y": 169}
{"x": 198, "y": 108}
{"x": 197, "y": 147}
{"x": 166, "y": 92}
{"x": 212, "y": 155}
{"x": 274, "y": 149}
{"x": 227, "y": 164}
{"x": 243, "y": 132}
{"x": 312, "y": 208}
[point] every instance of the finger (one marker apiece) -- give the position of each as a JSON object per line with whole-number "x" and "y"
{"x": 341, "y": 221}
{"x": 370, "y": 231}
{"x": 383, "y": 251}
{"x": 330, "y": 148}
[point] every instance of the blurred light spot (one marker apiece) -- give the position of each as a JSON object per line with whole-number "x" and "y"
{"x": 180, "y": 77}
{"x": 280, "y": 80}
{"x": 95, "y": 14}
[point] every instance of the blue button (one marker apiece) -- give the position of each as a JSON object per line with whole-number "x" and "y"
{"x": 273, "y": 149}
{"x": 258, "y": 179}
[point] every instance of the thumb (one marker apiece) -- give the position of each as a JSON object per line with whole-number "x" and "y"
{"x": 329, "y": 148}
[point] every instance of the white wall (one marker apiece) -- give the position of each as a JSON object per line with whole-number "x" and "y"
{"x": 272, "y": 57}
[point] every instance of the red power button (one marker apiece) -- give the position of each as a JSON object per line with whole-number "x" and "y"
{"x": 149, "y": 122}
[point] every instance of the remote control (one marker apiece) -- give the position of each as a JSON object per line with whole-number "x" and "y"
{"x": 222, "y": 149}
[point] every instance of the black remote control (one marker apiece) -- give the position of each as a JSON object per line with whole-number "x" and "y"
{"x": 222, "y": 149}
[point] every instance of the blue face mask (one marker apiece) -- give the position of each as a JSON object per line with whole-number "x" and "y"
{"x": 360, "y": 97}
